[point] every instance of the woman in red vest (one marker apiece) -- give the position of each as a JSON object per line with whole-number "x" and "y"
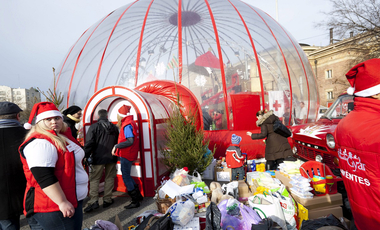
{"x": 127, "y": 149}
{"x": 52, "y": 162}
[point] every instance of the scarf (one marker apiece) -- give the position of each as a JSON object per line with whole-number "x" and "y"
{"x": 8, "y": 123}
{"x": 73, "y": 118}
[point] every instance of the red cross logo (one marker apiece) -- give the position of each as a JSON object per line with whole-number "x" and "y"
{"x": 276, "y": 105}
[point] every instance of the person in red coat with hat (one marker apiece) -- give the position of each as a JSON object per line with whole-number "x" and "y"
{"x": 52, "y": 162}
{"x": 357, "y": 139}
{"x": 127, "y": 149}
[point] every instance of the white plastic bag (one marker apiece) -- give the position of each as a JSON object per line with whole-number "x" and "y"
{"x": 268, "y": 206}
{"x": 181, "y": 177}
{"x": 182, "y": 212}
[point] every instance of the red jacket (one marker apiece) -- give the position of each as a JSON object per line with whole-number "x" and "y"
{"x": 234, "y": 157}
{"x": 35, "y": 200}
{"x": 131, "y": 152}
{"x": 357, "y": 138}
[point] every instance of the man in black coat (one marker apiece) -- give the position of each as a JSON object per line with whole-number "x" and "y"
{"x": 13, "y": 182}
{"x": 100, "y": 139}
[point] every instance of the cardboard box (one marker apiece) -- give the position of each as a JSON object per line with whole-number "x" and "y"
{"x": 244, "y": 191}
{"x": 336, "y": 210}
{"x": 222, "y": 174}
{"x": 320, "y": 201}
{"x": 284, "y": 180}
{"x": 208, "y": 174}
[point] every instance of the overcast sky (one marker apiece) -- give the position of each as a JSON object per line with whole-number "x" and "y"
{"x": 36, "y": 35}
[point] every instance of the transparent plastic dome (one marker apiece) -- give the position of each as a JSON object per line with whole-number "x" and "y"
{"x": 215, "y": 48}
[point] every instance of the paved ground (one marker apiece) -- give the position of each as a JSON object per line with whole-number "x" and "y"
{"x": 127, "y": 217}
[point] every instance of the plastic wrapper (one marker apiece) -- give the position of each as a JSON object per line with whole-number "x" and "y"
{"x": 182, "y": 212}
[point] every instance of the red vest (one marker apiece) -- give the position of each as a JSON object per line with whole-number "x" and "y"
{"x": 35, "y": 200}
{"x": 131, "y": 152}
{"x": 357, "y": 139}
{"x": 232, "y": 158}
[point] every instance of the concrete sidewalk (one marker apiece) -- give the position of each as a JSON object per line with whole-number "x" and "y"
{"x": 127, "y": 217}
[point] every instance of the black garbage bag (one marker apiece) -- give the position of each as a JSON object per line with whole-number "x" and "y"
{"x": 213, "y": 217}
{"x": 329, "y": 220}
{"x": 266, "y": 224}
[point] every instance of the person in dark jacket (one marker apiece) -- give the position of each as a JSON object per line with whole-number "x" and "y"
{"x": 72, "y": 115}
{"x": 277, "y": 147}
{"x": 100, "y": 139}
{"x": 13, "y": 182}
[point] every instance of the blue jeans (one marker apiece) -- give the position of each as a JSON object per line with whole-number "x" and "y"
{"x": 126, "y": 166}
{"x": 238, "y": 173}
{"x": 56, "y": 221}
{"x": 10, "y": 224}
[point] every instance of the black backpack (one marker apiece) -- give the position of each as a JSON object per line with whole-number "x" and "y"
{"x": 281, "y": 129}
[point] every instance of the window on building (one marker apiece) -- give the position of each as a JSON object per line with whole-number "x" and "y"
{"x": 2, "y": 93}
{"x": 329, "y": 73}
{"x": 330, "y": 95}
{"x": 18, "y": 93}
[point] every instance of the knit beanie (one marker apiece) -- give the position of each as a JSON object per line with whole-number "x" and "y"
{"x": 235, "y": 139}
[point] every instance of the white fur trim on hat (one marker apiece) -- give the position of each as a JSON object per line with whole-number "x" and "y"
{"x": 122, "y": 115}
{"x": 350, "y": 90}
{"x": 47, "y": 114}
{"x": 368, "y": 92}
{"x": 27, "y": 126}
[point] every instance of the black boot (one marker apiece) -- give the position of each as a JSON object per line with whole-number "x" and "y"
{"x": 135, "y": 203}
{"x": 139, "y": 196}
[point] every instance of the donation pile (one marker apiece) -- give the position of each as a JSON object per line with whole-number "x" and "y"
{"x": 282, "y": 198}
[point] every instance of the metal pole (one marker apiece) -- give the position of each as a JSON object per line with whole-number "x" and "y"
{"x": 276, "y": 10}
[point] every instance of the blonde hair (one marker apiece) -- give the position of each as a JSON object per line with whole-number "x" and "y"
{"x": 119, "y": 118}
{"x": 60, "y": 140}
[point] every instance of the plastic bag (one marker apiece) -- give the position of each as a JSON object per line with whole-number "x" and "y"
{"x": 180, "y": 177}
{"x": 249, "y": 216}
{"x": 330, "y": 220}
{"x": 229, "y": 222}
{"x": 266, "y": 224}
{"x": 196, "y": 177}
{"x": 213, "y": 217}
{"x": 182, "y": 212}
{"x": 268, "y": 206}
{"x": 290, "y": 213}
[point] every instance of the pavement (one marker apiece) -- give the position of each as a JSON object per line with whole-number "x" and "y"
{"x": 127, "y": 217}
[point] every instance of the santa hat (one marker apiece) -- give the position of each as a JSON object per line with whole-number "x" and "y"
{"x": 235, "y": 139}
{"x": 124, "y": 110}
{"x": 364, "y": 78}
{"x": 42, "y": 110}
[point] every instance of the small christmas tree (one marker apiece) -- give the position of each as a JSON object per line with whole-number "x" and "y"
{"x": 186, "y": 145}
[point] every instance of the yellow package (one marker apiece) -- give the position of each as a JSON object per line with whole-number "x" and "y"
{"x": 260, "y": 167}
{"x": 303, "y": 214}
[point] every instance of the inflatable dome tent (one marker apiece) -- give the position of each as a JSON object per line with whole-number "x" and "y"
{"x": 229, "y": 58}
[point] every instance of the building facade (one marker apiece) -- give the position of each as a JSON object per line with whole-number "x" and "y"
{"x": 330, "y": 65}
{"x": 25, "y": 98}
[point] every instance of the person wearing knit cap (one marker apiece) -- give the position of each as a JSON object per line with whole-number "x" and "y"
{"x": 12, "y": 183}
{"x": 127, "y": 149}
{"x": 56, "y": 181}
{"x": 357, "y": 139}
{"x": 277, "y": 147}
{"x": 235, "y": 158}
{"x": 72, "y": 115}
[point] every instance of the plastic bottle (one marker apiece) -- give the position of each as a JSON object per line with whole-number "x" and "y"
{"x": 253, "y": 166}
